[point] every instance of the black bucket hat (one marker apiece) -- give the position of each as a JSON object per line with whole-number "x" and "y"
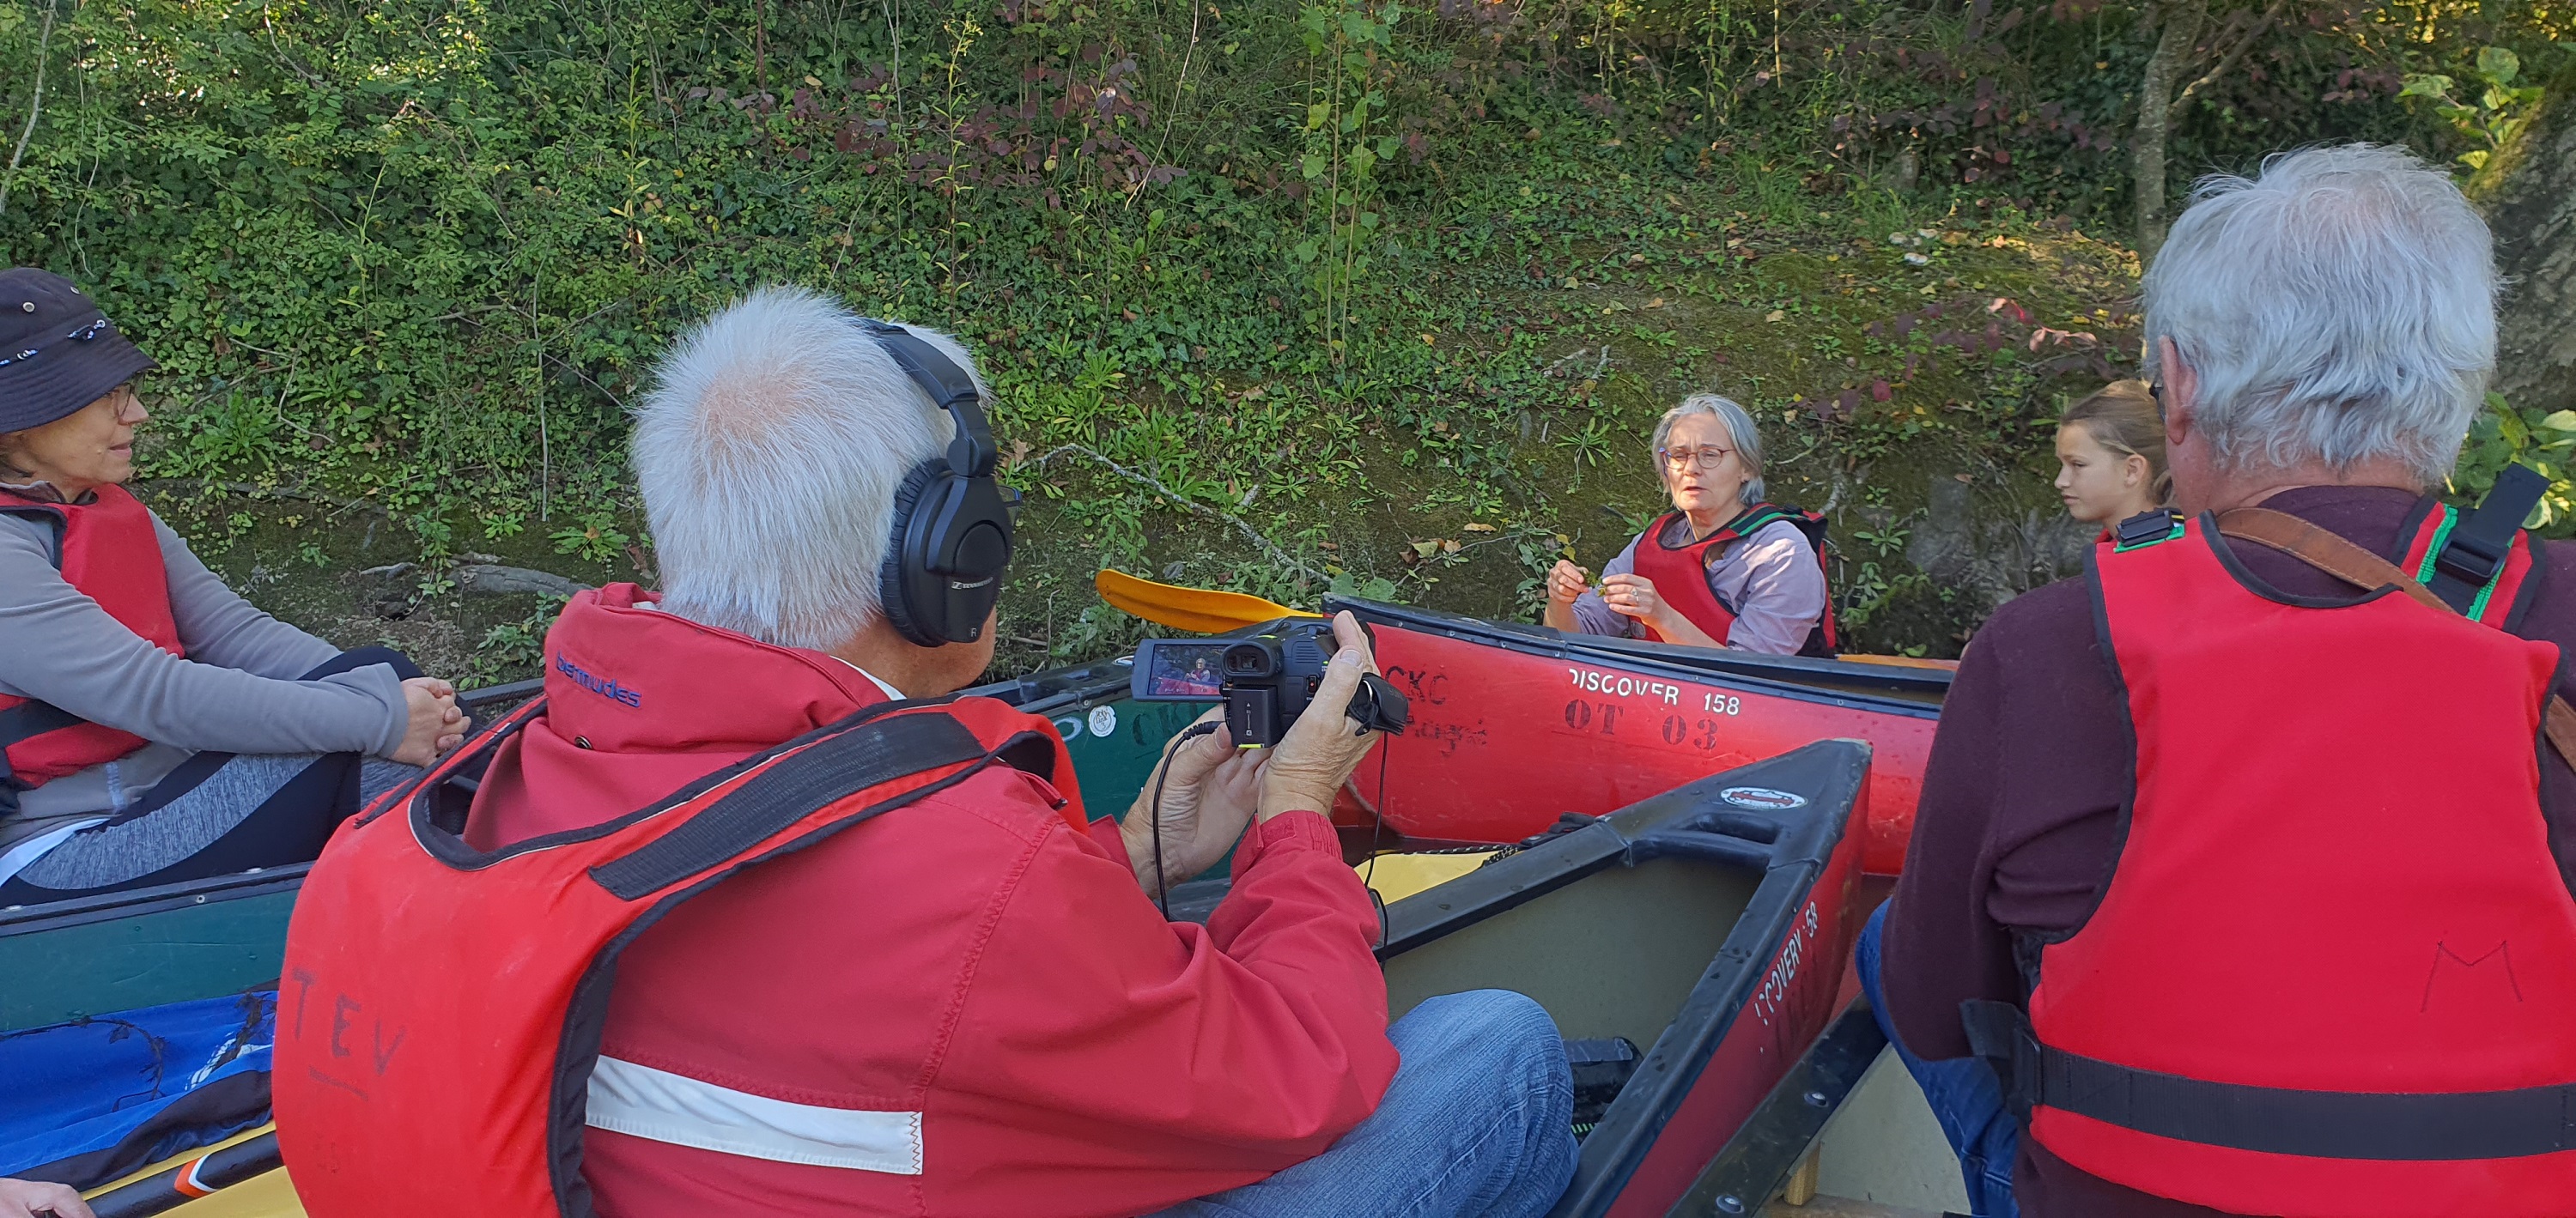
{"x": 58, "y": 352}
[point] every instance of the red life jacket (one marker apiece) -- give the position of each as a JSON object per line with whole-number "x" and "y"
{"x": 2334, "y": 969}
{"x": 1680, "y": 573}
{"x": 442, "y": 1007}
{"x": 107, "y": 549}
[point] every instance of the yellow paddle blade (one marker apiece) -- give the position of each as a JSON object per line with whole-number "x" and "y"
{"x": 1197, "y": 610}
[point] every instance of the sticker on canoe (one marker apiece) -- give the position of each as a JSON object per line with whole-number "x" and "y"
{"x": 1068, "y": 727}
{"x": 1104, "y": 720}
{"x": 1765, "y": 798}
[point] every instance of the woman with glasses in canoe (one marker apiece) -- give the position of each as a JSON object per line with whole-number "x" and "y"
{"x": 1725, "y": 567}
{"x": 154, "y": 726}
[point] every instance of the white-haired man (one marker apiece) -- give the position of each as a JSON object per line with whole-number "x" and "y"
{"x": 2244, "y": 859}
{"x": 868, "y": 957}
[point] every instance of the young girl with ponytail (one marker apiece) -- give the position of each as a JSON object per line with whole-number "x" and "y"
{"x": 2111, "y": 455}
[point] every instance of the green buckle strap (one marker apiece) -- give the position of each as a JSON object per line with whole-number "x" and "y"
{"x": 2423, "y": 571}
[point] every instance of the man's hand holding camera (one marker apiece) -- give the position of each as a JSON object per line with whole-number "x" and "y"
{"x": 1211, "y": 790}
{"x": 1325, "y": 744}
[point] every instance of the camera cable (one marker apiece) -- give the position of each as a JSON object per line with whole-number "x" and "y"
{"x": 1377, "y": 833}
{"x": 1162, "y": 881}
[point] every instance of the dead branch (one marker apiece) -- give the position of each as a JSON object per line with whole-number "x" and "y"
{"x": 2229, "y": 59}
{"x": 44, "y": 43}
{"x": 1280, "y": 556}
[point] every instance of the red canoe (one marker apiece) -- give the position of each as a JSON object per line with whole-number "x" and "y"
{"x": 1513, "y": 725}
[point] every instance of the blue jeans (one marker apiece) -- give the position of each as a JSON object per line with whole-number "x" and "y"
{"x": 1964, "y": 1093}
{"x": 1477, "y": 1122}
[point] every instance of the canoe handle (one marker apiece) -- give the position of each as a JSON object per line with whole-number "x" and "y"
{"x": 1741, "y": 839}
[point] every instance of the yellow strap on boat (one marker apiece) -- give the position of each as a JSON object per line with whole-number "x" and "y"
{"x": 1397, "y": 876}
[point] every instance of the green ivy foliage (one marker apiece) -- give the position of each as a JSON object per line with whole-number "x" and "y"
{"x": 2504, "y": 436}
{"x": 1236, "y": 271}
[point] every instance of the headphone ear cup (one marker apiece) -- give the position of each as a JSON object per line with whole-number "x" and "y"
{"x": 902, "y": 578}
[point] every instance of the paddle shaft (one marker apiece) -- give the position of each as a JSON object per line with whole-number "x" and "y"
{"x": 165, "y": 1191}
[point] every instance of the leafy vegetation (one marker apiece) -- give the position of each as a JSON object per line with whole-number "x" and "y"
{"x": 1336, "y": 294}
{"x": 2493, "y": 114}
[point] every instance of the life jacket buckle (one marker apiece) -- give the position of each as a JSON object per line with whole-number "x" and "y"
{"x": 2146, "y": 529}
{"x": 2468, "y": 559}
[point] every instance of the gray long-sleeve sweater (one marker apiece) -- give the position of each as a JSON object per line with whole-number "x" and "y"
{"x": 235, "y": 692}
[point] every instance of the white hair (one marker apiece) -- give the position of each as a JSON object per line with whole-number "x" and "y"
{"x": 1739, "y": 428}
{"x": 769, "y": 451}
{"x": 2339, "y": 307}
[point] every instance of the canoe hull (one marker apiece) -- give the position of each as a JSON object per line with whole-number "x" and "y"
{"x": 1513, "y": 727}
{"x": 1722, "y": 972}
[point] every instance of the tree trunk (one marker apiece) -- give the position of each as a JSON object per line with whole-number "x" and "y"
{"x": 2532, "y": 209}
{"x": 2181, "y": 20}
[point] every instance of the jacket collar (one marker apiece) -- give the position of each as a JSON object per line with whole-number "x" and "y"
{"x": 38, "y": 491}
{"x": 640, "y": 703}
{"x": 624, "y": 677}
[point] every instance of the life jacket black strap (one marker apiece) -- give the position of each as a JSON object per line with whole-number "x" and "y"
{"x": 30, "y": 719}
{"x": 2382, "y": 1126}
{"x": 870, "y": 754}
{"x": 48, "y": 514}
{"x": 26, "y": 721}
{"x": 2474, "y": 554}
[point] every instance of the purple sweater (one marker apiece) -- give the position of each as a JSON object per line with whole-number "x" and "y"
{"x": 1770, "y": 580}
{"x": 2018, "y": 824}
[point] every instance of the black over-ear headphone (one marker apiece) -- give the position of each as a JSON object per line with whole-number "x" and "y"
{"x": 952, "y": 526}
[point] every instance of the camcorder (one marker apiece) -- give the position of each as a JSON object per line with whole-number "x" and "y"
{"x": 1264, "y": 680}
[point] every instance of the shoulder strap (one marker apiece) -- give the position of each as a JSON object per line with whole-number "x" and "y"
{"x": 882, "y": 750}
{"x": 1761, "y": 515}
{"x": 1824, "y": 640}
{"x": 2359, "y": 567}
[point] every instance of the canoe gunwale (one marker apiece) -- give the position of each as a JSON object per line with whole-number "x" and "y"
{"x": 56, "y": 915}
{"x": 1839, "y": 683}
{"x": 1759, "y": 1158}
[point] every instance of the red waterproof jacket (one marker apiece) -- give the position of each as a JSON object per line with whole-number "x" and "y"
{"x": 2334, "y": 969}
{"x": 108, "y": 550}
{"x": 1680, "y": 573}
{"x": 964, "y": 1005}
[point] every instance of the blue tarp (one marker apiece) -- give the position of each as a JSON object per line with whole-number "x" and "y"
{"x": 85, "y": 1102}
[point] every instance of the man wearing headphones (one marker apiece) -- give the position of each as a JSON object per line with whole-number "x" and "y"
{"x": 740, "y": 921}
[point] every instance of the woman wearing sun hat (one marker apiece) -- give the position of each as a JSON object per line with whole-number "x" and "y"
{"x": 154, "y": 726}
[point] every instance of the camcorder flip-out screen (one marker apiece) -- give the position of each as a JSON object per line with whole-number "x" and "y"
{"x": 1265, "y": 680}
{"x": 1179, "y": 670}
